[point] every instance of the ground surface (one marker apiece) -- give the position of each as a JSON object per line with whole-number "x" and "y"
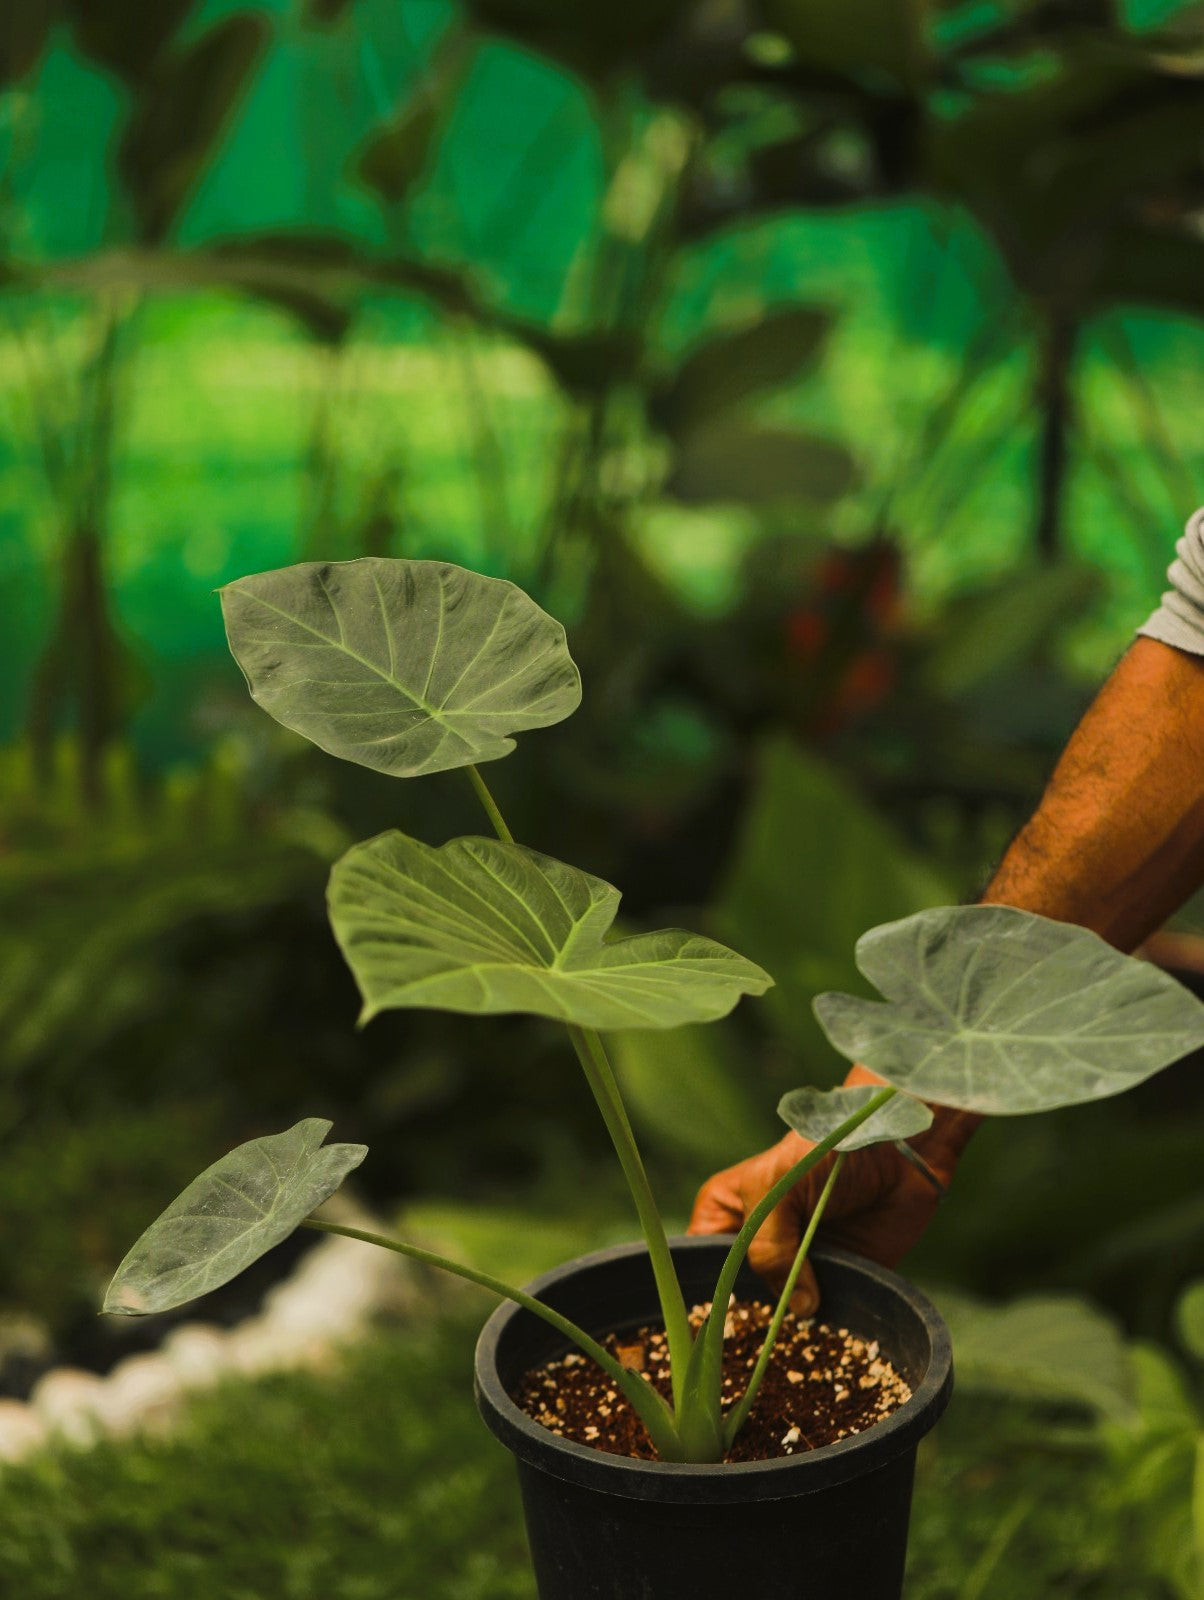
{"x": 379, "y": 1483}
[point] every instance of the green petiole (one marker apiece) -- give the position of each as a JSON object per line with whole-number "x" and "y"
{"x": 738, "y": 1415}
{"x": 695, "y": 1430}
{"x": 645, "y": 1401}
{"x": 600, "y": 1076}
{"x": 709, "y": 1359}
{"x": 481, "y": 790}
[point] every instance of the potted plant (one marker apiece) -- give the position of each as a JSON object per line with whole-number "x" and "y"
{"x": 418, "y": 667}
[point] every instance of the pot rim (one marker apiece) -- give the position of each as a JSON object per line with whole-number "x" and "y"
{"x": 785, "y": 1476}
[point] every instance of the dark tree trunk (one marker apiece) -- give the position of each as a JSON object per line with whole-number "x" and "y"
{"x": 1055, "y": 402}
{"x": 80, "y": 669}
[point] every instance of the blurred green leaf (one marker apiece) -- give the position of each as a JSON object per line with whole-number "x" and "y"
{"x": 883, "y": 41}
{"x": 85, "y": 966}
{"x": 1004, "y": 1012}
{"x": 24, "y": 30}
{"x": 815, "y": 1113}
{"x": 1189, "y": 1319}
{"x": 325, "y": 13}
{"x": 395, "y": 156}
{"x": 486, "y": 927}
{"x": 1153, "y": 265}
{"x": 511, "y": 1242}
{"x": 231, "y": 1215}
{"x": 594, "y": 40}
{"x": 741, "y": 461}
{"x": 1163, "y": 1396}
{"x": 180, "y": 114}
{"x": 1156, "y": 1459}
{"x": 585, "y": 363}
{"x": 111, "y": 886}
{"x": 700, "y": 1067}
{"x": 313, "y": 291}
{"x": 734, "y": 365}
{"x": 1058, "y": 171}
{"x": 813, "y": 867}
{"x": 126, "y": 36}
{"x": 1054, "y": 1348}
{"x": 407, "y": 667}
{"x": 993, "y": 634}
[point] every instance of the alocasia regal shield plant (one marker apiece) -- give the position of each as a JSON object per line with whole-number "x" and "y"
{"x": 419, "y": 667}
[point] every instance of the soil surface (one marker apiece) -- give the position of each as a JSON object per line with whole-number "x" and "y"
{"x": 822, "y": 1384}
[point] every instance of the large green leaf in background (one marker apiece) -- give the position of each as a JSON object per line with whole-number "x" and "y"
{"x": 815, "y": 1113}
{"x": 228, "y": 1217}
{"x": 180, "y": 113}
{"x": 1158, "y": 1470}
{"x": 704, "y": 1068}
{"x": 738, "y": 363}
{"x": 1000, "y": 630}
{"x": 733, "y": 459}
{"x": 813, "y": 868}
{"x": 404, "y": 666}
{"x": 481, "y": 926}
{"x": 860, "y": 39}
{"x": 1000, "y": 1011}
{"x": 1056, "y": 1348}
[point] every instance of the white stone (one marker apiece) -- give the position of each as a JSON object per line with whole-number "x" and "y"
{"x": 142, "y": 1389}
{"x": 22, "y": 1430}
{"x": 197, "y": 1352}
{"x": 334, "y": 1290}
{"x": 257, "y": 1346}
{"x": 69, "y": 1401}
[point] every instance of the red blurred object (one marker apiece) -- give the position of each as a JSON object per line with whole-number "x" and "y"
{"x": 841, "y": 642}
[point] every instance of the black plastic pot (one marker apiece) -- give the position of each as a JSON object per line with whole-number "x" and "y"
{"x": 828, "y": 1525}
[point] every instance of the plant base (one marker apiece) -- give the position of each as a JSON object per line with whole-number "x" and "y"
{"x": 829, "y": 1523}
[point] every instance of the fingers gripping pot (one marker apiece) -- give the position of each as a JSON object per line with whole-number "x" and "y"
{"x": 832, "y": 1522}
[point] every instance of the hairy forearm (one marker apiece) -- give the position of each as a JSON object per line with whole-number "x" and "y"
{"x": 1117, "y": 843}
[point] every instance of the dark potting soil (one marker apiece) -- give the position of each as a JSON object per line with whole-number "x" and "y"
{"x": 97, "y": 1343}
{"x": 822, "y": 1384}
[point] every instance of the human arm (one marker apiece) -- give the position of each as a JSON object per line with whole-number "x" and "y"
{"x": 1116, "y": 844}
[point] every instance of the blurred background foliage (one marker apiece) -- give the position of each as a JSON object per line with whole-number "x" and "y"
{"x": 830, "y": 367}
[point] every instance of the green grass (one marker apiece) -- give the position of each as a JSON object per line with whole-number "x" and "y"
{"x": 375, "y": 1484}
{"x": 378, "y": 1482}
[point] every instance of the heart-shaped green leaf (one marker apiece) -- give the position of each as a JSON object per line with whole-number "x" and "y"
{"x": 1001, "y": 1011}
{"x": 815, "y": 1113}
{"x": 482, "y": 926}
{"x": 228, "y": 1217}
{"x": 403, "y": 666}
{"x": 1042, "y": 1347}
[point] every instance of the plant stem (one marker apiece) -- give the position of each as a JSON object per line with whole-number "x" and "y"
{"x": 707, "y": 1357}
{"x": 739, "y": 1414}
{"x": 600, "y": 1076}
{"x": 645, "y": 1401}
{"x": 490, "y": 804}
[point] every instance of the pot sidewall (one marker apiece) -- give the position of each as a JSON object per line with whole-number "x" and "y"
{"x": 831, "y": 1522}
{"x": 614, "y": 1290}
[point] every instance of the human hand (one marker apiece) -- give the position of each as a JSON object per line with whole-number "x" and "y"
{"x": 880, "y": 1206}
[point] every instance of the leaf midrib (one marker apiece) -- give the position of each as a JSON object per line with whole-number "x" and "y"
{"x": 354, "y": 655}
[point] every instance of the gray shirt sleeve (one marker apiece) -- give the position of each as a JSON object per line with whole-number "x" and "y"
{"x": 1179, "y": 620}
